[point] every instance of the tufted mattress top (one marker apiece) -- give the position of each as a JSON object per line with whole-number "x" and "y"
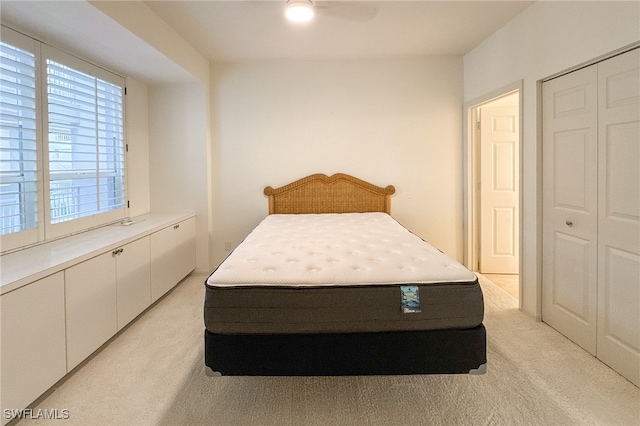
{"x": 348, "y": 272}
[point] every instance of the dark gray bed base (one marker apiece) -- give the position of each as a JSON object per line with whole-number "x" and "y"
{"x": 385, "y": 353}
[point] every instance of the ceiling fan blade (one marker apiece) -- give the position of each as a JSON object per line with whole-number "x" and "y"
{"x": 349, "y": 10}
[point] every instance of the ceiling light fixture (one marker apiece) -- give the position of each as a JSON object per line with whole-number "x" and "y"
{"x": 299, "y": 10}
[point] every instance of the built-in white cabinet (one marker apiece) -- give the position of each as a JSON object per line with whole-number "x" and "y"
{"x": 173, "y": 256}
{"x": 103, "y": 295}
{"x": 90, "y": 301}
{"x": 133, "y": 278}
{"x": 32, "y": 349}
{"x": 81, "y": 297}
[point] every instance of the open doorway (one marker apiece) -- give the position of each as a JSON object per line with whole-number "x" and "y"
{"x": 494, "y": 172}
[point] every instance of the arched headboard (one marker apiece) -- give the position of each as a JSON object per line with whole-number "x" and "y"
{"x": 320, "y": 193}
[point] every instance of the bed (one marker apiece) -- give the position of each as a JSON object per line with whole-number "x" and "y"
{"x": 330, "y": 284}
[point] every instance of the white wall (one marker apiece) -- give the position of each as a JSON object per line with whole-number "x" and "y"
{"x": 385, "y": 121}
{"x": 145, "y": 25}
{"x": 176, "y": 117}
{"x": 545, "y": 39}
{"x": 178, "y": 146}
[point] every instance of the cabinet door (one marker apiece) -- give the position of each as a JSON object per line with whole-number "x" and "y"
{"x": 90, "y": 289}
{"x": 619, "y": 214}
{"x": 185, "y": 253}
{"x": 134, "y": 280}
{"x": 173, "y": 254}
{"x": 32, "y": 350}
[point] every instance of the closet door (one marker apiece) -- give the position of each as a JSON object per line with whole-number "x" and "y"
{"x": 619, "y": 214}
{"x": 569, "y": 294}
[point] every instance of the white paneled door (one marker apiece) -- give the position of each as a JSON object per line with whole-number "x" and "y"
{"x": 591, "y": 209}
{"x": 570, "y": 206}
{"x": 619, "y": 214}
{"x": 499, "y": 183}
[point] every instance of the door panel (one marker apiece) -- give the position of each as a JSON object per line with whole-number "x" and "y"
{"x": 571, "y": 271}
{"x": 504, "y": 225}
{"x": 499, "y": 242}
{"x": 619, "y": 214}
{"x": 569, "y": 276}
{"x": 621, "y": 302}
{"x": 572, "y": 155}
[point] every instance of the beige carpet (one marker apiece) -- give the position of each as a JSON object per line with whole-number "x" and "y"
{"x": 153, "y": 373}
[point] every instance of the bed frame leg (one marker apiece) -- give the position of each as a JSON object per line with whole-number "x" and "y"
{"x": 479, "y": 371}
{"x": 210, "y": 373}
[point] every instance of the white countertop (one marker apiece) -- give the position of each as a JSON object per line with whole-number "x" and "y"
{"x": 28, "y": 265}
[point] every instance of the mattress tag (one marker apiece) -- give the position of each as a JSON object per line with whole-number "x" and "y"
{"x": 410, "y": 298}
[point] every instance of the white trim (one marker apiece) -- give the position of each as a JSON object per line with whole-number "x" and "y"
{"x": 594, "y": 61}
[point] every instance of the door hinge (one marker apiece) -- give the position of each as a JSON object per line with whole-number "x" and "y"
{"x": 477, "y": 125}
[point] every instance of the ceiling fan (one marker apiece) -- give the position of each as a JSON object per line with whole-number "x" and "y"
{"x": 304, "y": 10}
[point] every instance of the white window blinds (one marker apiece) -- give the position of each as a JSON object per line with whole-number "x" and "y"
{"x": 86, "y": 144}
{"x": 62, "y": 147}
{"x": 18, "y": 140}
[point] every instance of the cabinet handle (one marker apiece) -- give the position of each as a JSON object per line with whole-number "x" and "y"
{"x": 176, "y": 226}
{"x": 569, "y": 223}
{"x": 117, "y": 252}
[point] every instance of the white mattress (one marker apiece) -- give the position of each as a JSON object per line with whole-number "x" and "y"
{"x": 348, "y": 249}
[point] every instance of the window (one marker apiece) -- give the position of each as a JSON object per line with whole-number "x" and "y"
{"x": 86, "y": 144}
{"x": 18, "y": 154}
{"x": 73, "y": 177}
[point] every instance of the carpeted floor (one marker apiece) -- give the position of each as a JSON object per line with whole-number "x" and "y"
{"x": 153, "y": 373}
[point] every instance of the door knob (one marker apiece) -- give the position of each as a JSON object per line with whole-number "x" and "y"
{"x": 569, "y": 223}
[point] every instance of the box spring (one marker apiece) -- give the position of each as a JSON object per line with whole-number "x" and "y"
{"x": 396, "y": 353}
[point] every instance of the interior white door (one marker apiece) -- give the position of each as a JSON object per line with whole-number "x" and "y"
{"x": 569, "y": 287}
{"x": 619, "y": 214}
{"x": 499, "y": 185}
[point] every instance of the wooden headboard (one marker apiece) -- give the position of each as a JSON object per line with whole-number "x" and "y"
{"x": 320, "y": 193}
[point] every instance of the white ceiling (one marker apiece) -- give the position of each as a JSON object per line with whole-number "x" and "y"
{"x": 257, "y": 30}
{"x": 241, "y": 30}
